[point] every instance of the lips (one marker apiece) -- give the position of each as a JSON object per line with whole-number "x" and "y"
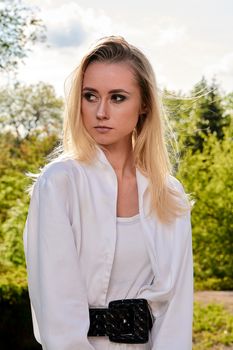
{"x": 102, "y": 127}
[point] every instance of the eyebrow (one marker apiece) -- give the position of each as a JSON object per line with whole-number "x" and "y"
{"x": 114, "y": 91}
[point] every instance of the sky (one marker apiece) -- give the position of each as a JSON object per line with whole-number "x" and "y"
{"x": 183, "y": 39}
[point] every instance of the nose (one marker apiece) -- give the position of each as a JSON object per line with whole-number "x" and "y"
{"x": 102, "y": 112}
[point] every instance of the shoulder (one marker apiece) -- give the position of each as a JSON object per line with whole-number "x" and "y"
{"x": 182, "y": 198}
{"x": 55, "y": 171}
{"x": 174, "y": 183}
{"x": 57, "y": 174}
{"x": 56, "y": 179}
{"x": 60, "y": 170}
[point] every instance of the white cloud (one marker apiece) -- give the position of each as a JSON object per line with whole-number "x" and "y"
{"x": 224, "y": 67}
{"x": 171, "y": 35}
{"x": 71, "y": 25}
{"x": 164, "y": 31}
{"x": 49, "y": 65}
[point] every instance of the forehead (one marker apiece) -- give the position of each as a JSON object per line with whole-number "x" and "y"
{"x": 110, "y": 75}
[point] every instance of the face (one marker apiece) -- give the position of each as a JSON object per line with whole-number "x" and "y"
{"x": 111, "y": 103}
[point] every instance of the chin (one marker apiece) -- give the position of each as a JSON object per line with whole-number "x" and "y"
{"x": 103, "y": 140}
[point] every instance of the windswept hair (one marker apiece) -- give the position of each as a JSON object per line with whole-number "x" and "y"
{"x": 148, "y": 138}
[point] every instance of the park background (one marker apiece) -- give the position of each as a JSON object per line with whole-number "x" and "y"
{"x": 190, "y": 45}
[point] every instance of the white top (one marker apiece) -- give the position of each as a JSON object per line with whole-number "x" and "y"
{"x": 131, "y": 267}
{"x": 70, "y": 239}
{"x": 131, "y": 270}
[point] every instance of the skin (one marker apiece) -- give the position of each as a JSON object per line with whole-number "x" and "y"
{"x": 111, "y": 97}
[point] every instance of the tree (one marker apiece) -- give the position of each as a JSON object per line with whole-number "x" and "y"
{"x": 228, "y": 106}
{"x": 207, "y": 114}
{"x": 201, "y": 114}
{"x": 20, "y": 27}
{"x": 207, "y": 175}
{"x": 24, "y": 109}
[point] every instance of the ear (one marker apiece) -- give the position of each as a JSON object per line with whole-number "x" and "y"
{"x": 143, "y": 109}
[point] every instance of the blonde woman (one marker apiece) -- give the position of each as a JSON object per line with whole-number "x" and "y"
{"x": 108, "y": 235}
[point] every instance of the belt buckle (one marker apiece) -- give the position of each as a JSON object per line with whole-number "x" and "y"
{"x": 128, "y": 321}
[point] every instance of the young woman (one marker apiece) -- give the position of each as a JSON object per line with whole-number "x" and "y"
{"x": 107, "y": 221}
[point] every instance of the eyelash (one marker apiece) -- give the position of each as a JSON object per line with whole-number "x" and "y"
{"x": 115, "y": 97}
{"x": 88, "y": 96}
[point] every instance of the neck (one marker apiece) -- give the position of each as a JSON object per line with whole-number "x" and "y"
{"x": 122, "y": 161}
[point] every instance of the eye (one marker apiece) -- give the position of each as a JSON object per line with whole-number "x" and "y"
{"x": 118, "y": 98}
{"x": 89, "y": 96}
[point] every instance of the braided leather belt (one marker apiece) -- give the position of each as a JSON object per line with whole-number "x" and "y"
{"x": 124, "y": 321}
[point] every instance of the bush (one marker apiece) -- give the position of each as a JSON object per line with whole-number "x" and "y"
{"x": 212, "y": 327}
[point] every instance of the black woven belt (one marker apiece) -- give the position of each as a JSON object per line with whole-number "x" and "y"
{"x": 124, "y": 321}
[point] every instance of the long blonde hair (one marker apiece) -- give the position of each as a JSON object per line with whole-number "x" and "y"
{"x": 148, "y": 139}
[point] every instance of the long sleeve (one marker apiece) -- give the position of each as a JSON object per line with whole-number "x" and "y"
{"x": 56, "y": 288}
{"x": 173, "y": 330}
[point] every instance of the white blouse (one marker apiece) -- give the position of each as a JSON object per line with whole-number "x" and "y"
{"x": 70, "y": 240}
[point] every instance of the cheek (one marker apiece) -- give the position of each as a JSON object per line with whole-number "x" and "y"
{"x": 133, "y": 115}
{"x": 129, "y": 122}
{"x": 84, "y": 108}
{"x": 86, "y": 113}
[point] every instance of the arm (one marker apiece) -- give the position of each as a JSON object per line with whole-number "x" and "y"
{"x": 57, "y": 292}
{"x": 173, "y": 330}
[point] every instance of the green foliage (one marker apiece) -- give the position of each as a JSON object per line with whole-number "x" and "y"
{"x": 204, "y": 128}
{"x": 208, "y": 177}
{"x": 212, "y": 327}
{"x": 28, "y": 156}
{"x": 13, "y": 282}
{"x": 20, "y": 27}
{"x": 12, "y": 231}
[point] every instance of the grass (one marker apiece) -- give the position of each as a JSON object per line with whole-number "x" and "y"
{"x": 212, "y": 327}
